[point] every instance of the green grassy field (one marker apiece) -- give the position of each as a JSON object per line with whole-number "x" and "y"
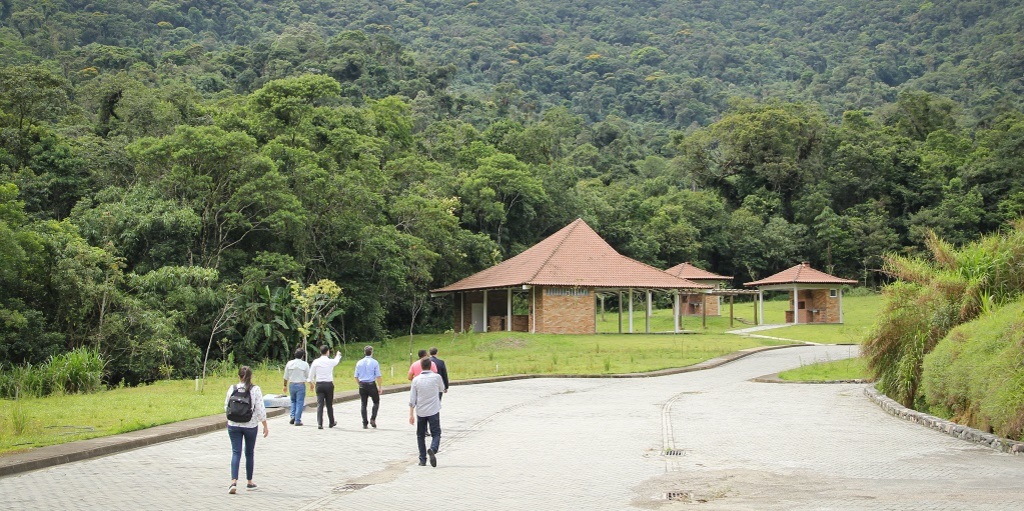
{"x": 52, "y": 420}
{"x": 853, "y": 368}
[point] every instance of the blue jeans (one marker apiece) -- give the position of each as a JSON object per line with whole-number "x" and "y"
{"x": 236, "y": 434}
{"x": 297, "y": 391}
{"x": 434, "y": 421}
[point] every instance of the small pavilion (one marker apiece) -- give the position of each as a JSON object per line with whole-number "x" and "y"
{"x": 814, "y": 296}
{"x": 553, "y": 287}
{"x": 700, "y": 304}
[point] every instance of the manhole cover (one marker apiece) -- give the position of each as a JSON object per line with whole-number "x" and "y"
{"x": 350, "y": 487}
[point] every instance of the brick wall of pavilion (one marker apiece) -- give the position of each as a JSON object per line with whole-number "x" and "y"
{"x": 693, "y": 303}
{"x": 818, "y": 300}
{"x": 565, "y": 310}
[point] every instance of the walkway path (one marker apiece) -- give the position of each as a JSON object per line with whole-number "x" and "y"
{"x": 580, "y": 444}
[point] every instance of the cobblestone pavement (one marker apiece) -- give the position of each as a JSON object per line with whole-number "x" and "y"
{"x": 702, "y": 440}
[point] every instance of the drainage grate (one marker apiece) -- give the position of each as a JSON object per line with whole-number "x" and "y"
{"x": 673, "y": 452}
{"x": 350, "y": 487}
{"x": 679, "y": 496}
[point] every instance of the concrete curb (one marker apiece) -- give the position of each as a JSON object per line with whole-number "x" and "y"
{"x": 948, "y": 427}
{"x": 45, "y": 457}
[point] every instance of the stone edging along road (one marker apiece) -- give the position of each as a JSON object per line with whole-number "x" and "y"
{"x": 948, "y": 427}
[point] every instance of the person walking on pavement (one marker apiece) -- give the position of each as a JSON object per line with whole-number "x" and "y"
{"x": 245, "y": 431}
{"x": 442, "y": 369}
{"x": 321, "y": 374}
{"x": 415, "y": 368}
{"x": 425, "y": 411}
{"x": 296, "y": 372}
{"x": 368, "y": 378}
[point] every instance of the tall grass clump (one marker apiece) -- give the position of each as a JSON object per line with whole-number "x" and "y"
{"x": 79, "y": 370}
{"x": 24, "y": 381}
{"x": 932, "y": 296}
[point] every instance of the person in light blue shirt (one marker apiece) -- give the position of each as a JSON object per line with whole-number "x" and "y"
{"x": 368, "y": 378}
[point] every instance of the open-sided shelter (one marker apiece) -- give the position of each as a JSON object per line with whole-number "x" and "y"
{"x": 552, "y": 287}
{"x": 702, "y": 303}
{"x": 814, "y": 296}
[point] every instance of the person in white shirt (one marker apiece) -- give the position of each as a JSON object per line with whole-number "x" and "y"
{"x": 425, "y": 410}
{"x": 296, "y": 373}
{"x": 321, "y": 374}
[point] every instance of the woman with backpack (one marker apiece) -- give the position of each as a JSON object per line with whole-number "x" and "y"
{"x": 245, "y": 411}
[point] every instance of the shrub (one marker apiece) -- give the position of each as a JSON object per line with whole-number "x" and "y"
{"x": 974, "y": 375}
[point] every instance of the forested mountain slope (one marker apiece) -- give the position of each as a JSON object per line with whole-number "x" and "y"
{"x": 675, "y": 62}
{"x": 165, "y": 166}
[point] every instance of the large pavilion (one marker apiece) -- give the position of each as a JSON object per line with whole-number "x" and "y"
{"x": 814, "y": 296}
{"x": 553, "y": 286}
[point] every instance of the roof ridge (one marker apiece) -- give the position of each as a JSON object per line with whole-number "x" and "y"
{"x": 571, "y": 229}
{"x": 663, "y": 271}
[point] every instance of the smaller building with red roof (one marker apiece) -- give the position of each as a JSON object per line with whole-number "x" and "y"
{"x": 700, "y": 304}
{"x": 814, "y": 296}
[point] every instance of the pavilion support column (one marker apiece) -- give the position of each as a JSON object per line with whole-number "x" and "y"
{"x": 462, "y": 312}
{"x": 731, "y": 297}
{"x": 533, "y": 309}
{"x": 630, "y": 310}
{"x": 759, "y": 308}
{"x": 508, "y": 311}
{"x": 647, "y": 316}
{"x": 485, "y": 312}
{"x": 675, "y": 311}
{"x": 840, "y": 305}
{"x": 704, "y": 311}
{"x": 796, "y": 305}
{"x": 620, "y": 311}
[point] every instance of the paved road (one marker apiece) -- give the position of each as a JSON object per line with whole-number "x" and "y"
{"x": 581, "y": 444}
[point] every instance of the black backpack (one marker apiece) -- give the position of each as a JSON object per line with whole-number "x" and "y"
{"x": 240, "y": 405}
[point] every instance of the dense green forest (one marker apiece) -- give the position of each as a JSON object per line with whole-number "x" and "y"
{"x": 175, "y": 174}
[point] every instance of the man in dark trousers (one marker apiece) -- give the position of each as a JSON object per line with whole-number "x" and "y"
{"x": 321, "y": 381}
{"x": 368, "y": 377}
{"x": 425, "y": 411}
{"x": 441, "y": 369}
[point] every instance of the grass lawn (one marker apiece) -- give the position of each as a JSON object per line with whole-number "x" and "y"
{"x": 854, "y": 368}
{"x": 53, "y": 420}
{"x": 859, "y": 314}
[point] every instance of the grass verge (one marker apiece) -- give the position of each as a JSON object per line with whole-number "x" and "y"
{"x": 854, "y": 368}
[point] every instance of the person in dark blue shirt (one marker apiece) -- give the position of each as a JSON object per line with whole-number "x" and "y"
{"x": 368, "y": 377}
{"x": 442, "y": 369}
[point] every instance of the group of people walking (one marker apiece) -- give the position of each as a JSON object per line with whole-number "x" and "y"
{"x": 428, "y": 374}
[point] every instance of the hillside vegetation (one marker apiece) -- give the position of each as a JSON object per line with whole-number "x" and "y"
{"x": 954, "y": 309}
{"x": 974, "y": 374}
{"x": 175, "y": 175}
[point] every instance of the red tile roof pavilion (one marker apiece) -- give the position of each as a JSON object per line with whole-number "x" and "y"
{"x": 807, "y": 288}
{"x": 800, "y": 274}
{"x": 574, "y": 256}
